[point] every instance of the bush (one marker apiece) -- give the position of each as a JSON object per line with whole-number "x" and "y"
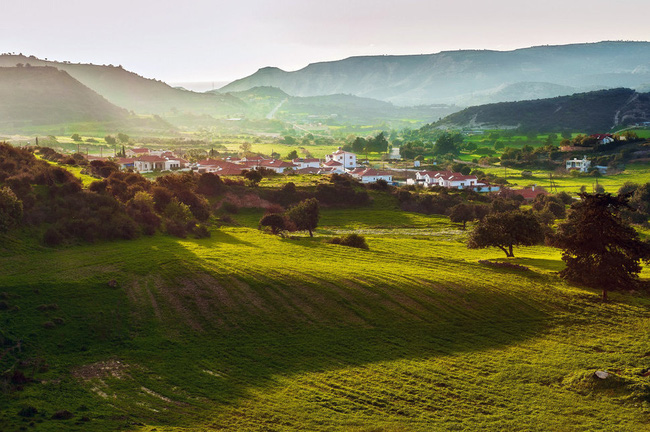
{"x": 201, "y": 231}
{"x": 351, "y": 240}
{"x": 53, "y": 237}
{"x": 175, "y": 228}
{"x": 274, "y": 221}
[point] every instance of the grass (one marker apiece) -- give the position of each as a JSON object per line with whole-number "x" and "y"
{"x": 248, "y": 331}
{"x": 636, "y": 172}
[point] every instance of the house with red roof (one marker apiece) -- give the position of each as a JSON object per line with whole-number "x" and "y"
{"x": 276, "y": 165}
{"x": 148, "y": 163}
{"x": 301, "y": 163}
{"x": 137, "y": 152}
{"x": 371, "y": 175}
{"x": 332, "y": 167}
{"x": 603, "y": 138}
{"x": 347, "y": 159}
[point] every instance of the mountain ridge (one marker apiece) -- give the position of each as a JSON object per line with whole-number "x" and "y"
{"x": 453, "y": 76}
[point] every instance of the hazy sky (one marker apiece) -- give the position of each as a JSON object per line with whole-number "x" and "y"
{"x": 202, "y": 40}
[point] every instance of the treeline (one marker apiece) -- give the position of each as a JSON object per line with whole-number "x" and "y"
{"x": 463, "y": 206}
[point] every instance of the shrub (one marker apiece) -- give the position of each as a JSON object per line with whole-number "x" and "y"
{"x": 274, "y": 221}
{"x": 175, "y": 228}
{"x": 201, "y": 231}
{"x": 62, "y": 415}
{"x": 351, "y": 240}
{"x": 28, "y": 411}
{"x": 53, "y": 237}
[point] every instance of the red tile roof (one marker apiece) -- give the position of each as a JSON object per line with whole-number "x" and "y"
{"x": 308, "y": 160}
{"x": 148, "y": 158}
{"x": 332, "y": 163}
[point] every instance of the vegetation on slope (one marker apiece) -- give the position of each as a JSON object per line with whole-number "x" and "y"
{"x": 593, "y": 112}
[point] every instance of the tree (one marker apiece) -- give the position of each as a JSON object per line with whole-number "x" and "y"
{"x": 11, "y": 209}
{"x": 359, "y": 145}
{"x": 305, "y": 215}
{"x": 599, "y": 249}
{"x": 76, "y": 137}
{"x": 505, "y": 230}
{"x": 123, "y": 138}
{"x": 293, "y": 154}
{"x": 378, "y": 144}
{"x": 275, "y": 221}
{"x": 254, "y": 176}
{"x": 447, "y": 144}
{"x": 110, "y": 139}
{"x": 462, "y": 213}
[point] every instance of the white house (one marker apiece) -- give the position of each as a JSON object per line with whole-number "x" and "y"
{"x": 428, "y": 178}
{"x": 603, "y": 138}
{"x": 149, "y": 163}
{"x": 371, "y": 175}
{"x": 578, "y": 164}
{"x": 333, "y": 167}
{"x": 346, "y": 159}
{"x": 171, "y": 164}
{"x": 301, "y": 163}
{"x": 276, "y": 165}
{"x": 459, "y": 181}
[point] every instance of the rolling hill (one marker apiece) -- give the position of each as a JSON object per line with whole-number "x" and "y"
{"x": 271, "y": 102}
{"x": 467, "y": 77}
{"x": 248, "y": 331}
{"x": 592, "y": 112}
{"x": 46, "y": 95}
{"x": 135, "y": 93}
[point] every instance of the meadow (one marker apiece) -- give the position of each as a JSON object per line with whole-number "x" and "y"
{"x": 249, "y": 331}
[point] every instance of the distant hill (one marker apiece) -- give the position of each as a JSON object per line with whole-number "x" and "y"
{"x": 45, "y": 95}
{"x": 275, "y": 103}
{"x": 135, "y": 93}
{"x": 467, "y": 77}
{"x": 592, "y": 112}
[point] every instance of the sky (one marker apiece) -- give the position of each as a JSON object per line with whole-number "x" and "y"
{"x": 214, "y": 40}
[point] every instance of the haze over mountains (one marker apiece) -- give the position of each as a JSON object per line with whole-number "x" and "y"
{"x": 394, "y": 91}
{"x": 133, "y": 92}
{"x": 467, "y": 77}
{"x": 46, "y": 95}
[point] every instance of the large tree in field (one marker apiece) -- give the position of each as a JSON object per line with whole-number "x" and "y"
{"x": 506, "y": 230}
{"x": 600, "y": 250}
{"x": 462, "y": 213}
{"x": 305, "y": 215}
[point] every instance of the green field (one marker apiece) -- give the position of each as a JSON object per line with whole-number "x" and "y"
{"x": 247, "y": 331}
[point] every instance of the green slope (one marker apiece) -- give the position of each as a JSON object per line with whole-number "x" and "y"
{"x": 246, "y": 331}
{"x": 45, "y": 95}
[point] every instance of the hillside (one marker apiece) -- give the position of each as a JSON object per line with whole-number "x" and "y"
{"x": 45, "y": 95}
{"x": 590, "y": 112}
{"x": 248, "y": 331}
{"x": 135, "y": 93}
{"x": 467, "y": 77}
{"x": 271, "y": 102}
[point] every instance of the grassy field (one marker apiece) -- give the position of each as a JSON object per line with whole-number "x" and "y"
{"x": 248, "y": 331}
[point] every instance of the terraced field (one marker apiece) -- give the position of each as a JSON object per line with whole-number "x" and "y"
{"x": 247, "y": 331}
